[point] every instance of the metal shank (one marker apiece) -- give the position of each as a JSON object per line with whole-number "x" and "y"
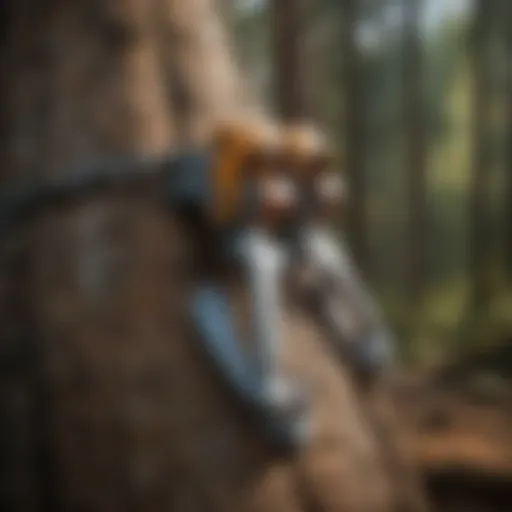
{"x": 342, "y": 303}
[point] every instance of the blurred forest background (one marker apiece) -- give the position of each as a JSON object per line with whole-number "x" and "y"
{"x": 417, "y": 98}
{"x": 107, "y": 401}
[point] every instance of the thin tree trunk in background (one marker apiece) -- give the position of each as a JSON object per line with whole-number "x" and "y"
{"x": 414, "y": 130}
{"x": 289, "y": 88}
{"x": 354, "y": 144}
{"x": 508, "y": 56}
{"x": 480, "y": 177}
{"x": 316, "y": 61}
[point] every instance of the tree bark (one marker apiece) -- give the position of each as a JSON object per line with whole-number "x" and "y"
{"x": 137, "y": 418}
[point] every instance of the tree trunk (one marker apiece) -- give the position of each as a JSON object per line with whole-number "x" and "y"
{"x": 480, "y": 179}
{"x": 353, "y": 119}
{"x": 287, "y": 17}
{"x": 414, "y": 127}
{"x": 136, "y": 417}
{"x": 507, "y": 15}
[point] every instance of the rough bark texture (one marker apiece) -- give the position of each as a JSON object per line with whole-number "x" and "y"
{"x": 132, "y": 416}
